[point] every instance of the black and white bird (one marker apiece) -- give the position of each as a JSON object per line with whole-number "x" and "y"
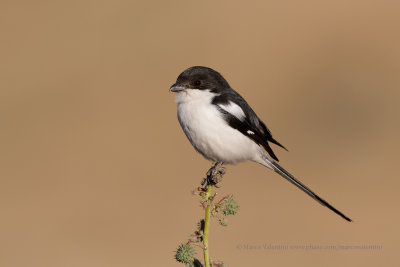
{"x": 223, "y": 128}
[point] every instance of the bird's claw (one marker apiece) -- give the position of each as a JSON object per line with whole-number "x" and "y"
{"x": 214, "y": 175}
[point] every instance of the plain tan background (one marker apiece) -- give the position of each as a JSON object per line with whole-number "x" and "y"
{"x": 95, "y": 170}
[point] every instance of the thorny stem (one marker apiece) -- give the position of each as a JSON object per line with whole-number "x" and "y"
{"x": 185, "y": 252}
{"x": 206, "y": 226}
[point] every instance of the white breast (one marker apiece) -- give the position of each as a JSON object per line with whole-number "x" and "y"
{"x": 209, "y": 133}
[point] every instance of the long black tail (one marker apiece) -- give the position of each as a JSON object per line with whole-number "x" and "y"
{"x": 285, "y": 174}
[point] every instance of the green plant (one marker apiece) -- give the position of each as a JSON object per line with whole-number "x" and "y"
{"x": 212, "y": 208}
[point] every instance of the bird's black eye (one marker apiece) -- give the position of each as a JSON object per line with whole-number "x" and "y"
{"x": 197, "y": 82}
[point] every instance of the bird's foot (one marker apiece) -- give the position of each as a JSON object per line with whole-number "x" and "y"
{"x": 214, "y": 175}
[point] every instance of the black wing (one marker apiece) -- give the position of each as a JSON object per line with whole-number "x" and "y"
{"x": 251, "y": 126}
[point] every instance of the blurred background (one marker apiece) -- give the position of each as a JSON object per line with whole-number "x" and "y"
{"x": 96, "y": 171}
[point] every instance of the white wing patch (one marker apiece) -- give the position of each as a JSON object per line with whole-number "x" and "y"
{"x": 250, "y": 132}
{"x": 234, "y": 109}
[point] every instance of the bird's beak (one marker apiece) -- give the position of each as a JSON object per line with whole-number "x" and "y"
{"x": 177, "y": 88}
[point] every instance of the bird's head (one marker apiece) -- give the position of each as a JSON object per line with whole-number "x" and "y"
{"x": 200, "y": 78}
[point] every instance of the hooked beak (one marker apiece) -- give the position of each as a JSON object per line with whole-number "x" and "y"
{"x": 177, "y": 88}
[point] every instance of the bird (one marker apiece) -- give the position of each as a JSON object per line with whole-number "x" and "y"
{"x": 223, "y": 128}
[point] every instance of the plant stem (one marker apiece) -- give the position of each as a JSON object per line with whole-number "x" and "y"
{"x": 206, "y": 226}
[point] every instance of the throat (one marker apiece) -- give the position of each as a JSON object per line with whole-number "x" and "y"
{"x": 194, "y": 95}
